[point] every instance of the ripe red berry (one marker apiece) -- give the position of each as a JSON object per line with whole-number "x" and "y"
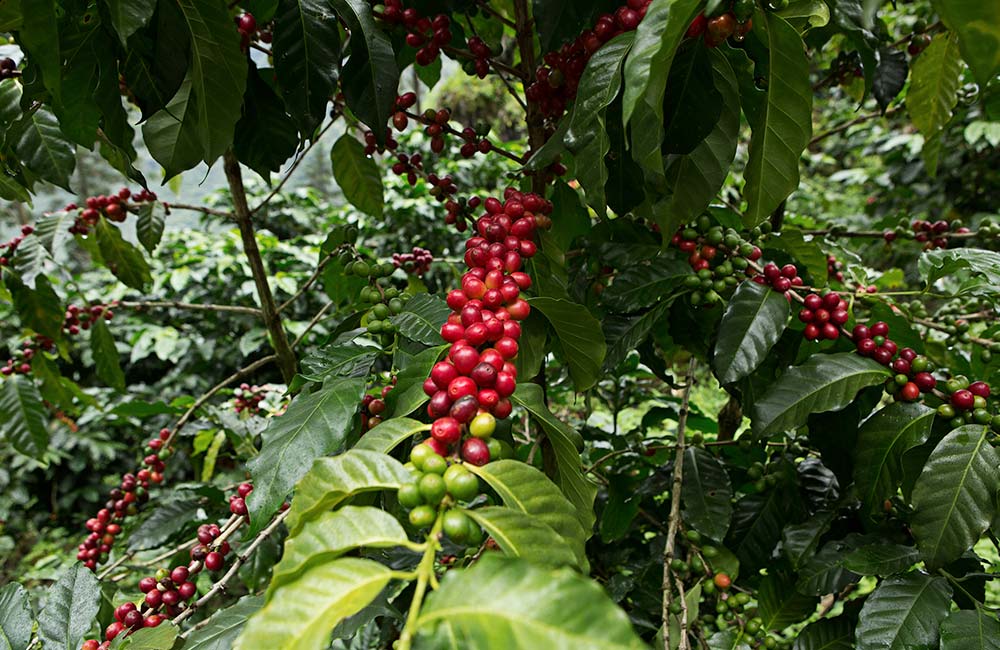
{"x": 979, "y": 389}
{"x": 963, "y": 399}
{"x": 910, "y": 392}
{"x": 179, "y": 575}
{"x": 879, "y": 329}
{"x": 214, "y": 561}
{"x": 475, "y": 451}
{"x": 925, "y": 381}
{"x": 446, "y": 430}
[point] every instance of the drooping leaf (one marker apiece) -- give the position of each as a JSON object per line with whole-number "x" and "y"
{"x": 566, "y": 442}
{"x": 806, "y": 252}
{"x": 780, "y": 604}
{"x": 370, "y": 76}
{"x": 123, "y": 259}
{"x": 24, "y": 425}
{"x": 781, "y": 120}
{"x": 102, "y": 345}
{"x": 882, "y": 441}
{"x": 706, "y": 493}
{"x": 904, "y": 612}
{"x": 409, "y": 395}
{"x": 826, "y": 634}
{"x": 306, "y": 58}
{"x": 315, "y": 424}
{"x": 357, "y": 175}
{"x": 978, "y": 27}
{"x": 71, "y": 604}
{"x": 758, "y": 520}
{"x": 979, "y": 269}
{"x": 38, "y": 32}
{"x": 40, "y": 308}
{"x": 754, "y": 320}
{"x": 422, "y": 319}
{"x": 524, "y": 488}
{"x": 391, "y": 433}
{"x": 825, "y": 573}
{"x": 266, "y": 135}
{"x": 127, "y": 16}
{"x": 825, "y": 382}
{"x": 332, "y": 480}
{"x": 158, "y": 59}
{"x": 41, "y": 147}
{"x": 799, "y": 541}
{"x": 339, "y": 360}
{"x": 890, "y": 76}
{"x": 933, "y": 90}
{"x": 579, "y": 335}
{"x": 624, "y": 334}
{"x": 224, "y": 626}
{"x": 693, "y": 106}
{"x": 29, "y": 261}
{"x": 16, "y": 619}
{"x": 515, "y": 605}
{"x": 642, "y": 284}
{"x": 521, "y": 535}
{"x": 954, "y": 499}
{"x": 970, "y": 630}
{"x": 302, "y": 614}
{"x": 881, "y": 559}
{"x": 559, "y": 21}
{"x": 331, "y": 535}
{"x": 171, "y": 134}
{"x": 149, "y": 226}
{"x": 164, "y": 523}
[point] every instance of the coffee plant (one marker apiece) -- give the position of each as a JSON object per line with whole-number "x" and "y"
{"x": 653, "y": 364}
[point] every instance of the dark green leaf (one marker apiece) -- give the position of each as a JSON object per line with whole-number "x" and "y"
{"x": 71, "y": 605}
{"x": 824, "y": 573}
{"x": 580, "y": 336}
{"x": 781, "y": 122}
{"x": 903, "y": 613}
{"x": 24, "y": 425}
{"x": 620, "y": 509}
{"x": 149, "y": 225}
{"x": 809, "y": 253}
{"x": 370, "y": 76}
{"x": 890, "y": 76}
{"x": 409, "y": 395}
{"x": 825, "y": 382}
{"x": 127, "y": 16}
{"x": 882, "y": 441}
{"x": 157, "y": 59}
{"x": 306, "y": 58}
{"x": 145, "y": 409}
{"x": 357, "y": 175}
{"x": 16, "y": 619}
{"x": 224, "y": 626}
{"x": 954, "y": 499}
{"x": 933, "y": 90}
{"x": 799, "y": 541}
{"x": 981, "y": 266}
{"x": 390, "y": 434}
{"x": 102, "y": 345}
{"x": 559, "y": 21}
{"x": 642, "y": 284}
{"x": 625, "y": 334}
{"x": 340, "y": 360}
{"x": 827, "y": 634}
{"x": 11, "y": 15}
{"x": 693, "y": 106}
{"x": 315, "y": 424}
{"x": 166, "y": 521}
{"x": 521, "y": 535}
{"x": 265, "y": 135}
{"x": 123, "y": 259}
{"x": 706, "y": 493}
{"x": 970, "y": 630}
{"x": 758, "y": 520}
{"x": 41, "y": 147}
{"x": 780, "y": 604}
{"x": 40, "y": 308}
{"x": 881, "y": 559}
{"x": 422, "y": 319}
{"x": 38, "y": 34}
{"x": 754, "y": 320}
{"x": 978, "y": 27}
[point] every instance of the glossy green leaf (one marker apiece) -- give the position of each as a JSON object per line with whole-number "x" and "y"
{"x": 315, "y": 424}
{"x": 40, "y": 308}
{"x": 560, "y": 21}
{"x": 805, "y": 252}
{"x": 624, "y": 334}
{"x": 149, "y": 226}
{"x": 780, "y": 604}
{"x": 306, "y": 58}
{"x": 11, "y": 15}
{"x": 41, "y": 147}
{"x": 642, "y": 284}
{"x": 781, "y": 122}
{"x": 825, "y": 382}
{"x": 816, "y": 12}
{"x": 579, "y": 335}
{"x": 954, "y": 497}
{"x": 826, "y": 634}
{"x": 825, "y": 573}
{"x": 302, "y": 614}
{"x": 903, "y": 613}
{"x": 224, "y": 626}
{"x": 128, "y": 16}
{"x": 693, "y": 106}
{"x": 881, "y": 559}
{"x": 890, "y": 76}
{"x": 754, "y": 320}
{"x": 758, "y": 520}
{"x": 706, "y": 494}
{"x": 339, "y": 360}
{"x": 331, "y": 481}
{"x": 514, "y": 605}
{"x": 155, "y": 71}
{"x": 102, "y": 345}
{"x": 29, "y": 261}
{"x": 977, "y": 269}
{"x": 331, "y": 535}
{"x": 16, "y": 619}
{"x": 933, "y": 91}
{"x": 370, "y": 77}
{"x": 390, "y": 434}
{"x": 161, "y": 637}
{"x": 882, "y": 441}
{"x": 266, "y": 136}
{"x": 125, "y": 261}
{"x": 71, "y": 604}
{"x": 422, "y": 319}
{"x": 524, "y": 488}
{"x": 171, "y": 134}
{"x": 165, "y": 522}
{"x": 970, "y": 630}
{"x": 566, "y": 442}
{"x": 39, "y": 31}
{"x": 24, "y": 424}
{"x": 357, "y": 175}
{"x": 978, "y": 27}
{"x": 799, "y": 541}
{"x": 522, "y": 535}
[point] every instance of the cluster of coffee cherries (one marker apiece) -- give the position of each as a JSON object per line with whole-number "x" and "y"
{"x": 438, "y": 482}
{"x": 781, "y": 279}
{"x": 81, "y": 318}
{"x": 718, "y": 256}
{"x": 167, "y": 592}
{"x": 912, "y": 371}
{"x": 460, "y": 211}
{"x": 372, "y": 145}
{"x": 733, "y": 19}
{"x": 237, "y": 502}
{"x": 967, "y": 403}
{"x": 934, "y": 235}
{"x": 845, "y": 68}
{"x": 247, "y": 398}
{"x": 113, "y": 208}
{"x": 373, "y": 405}
{"x": 834, "y": 268}
{"x": 557, "y": 79}
{"x": 416, "y": 262}
{"x": 823, "y": 315}
{"x": 409, "y": 166}
{"x": 20, "y": 361}
{"x": 385, "y": 299}
{"x": 479, "y": 65}
{"x": 246, "y": 25}
{"x": 428, "y": 35}
{"x": 123, "y": 501}
{"x": 9, "y": 247}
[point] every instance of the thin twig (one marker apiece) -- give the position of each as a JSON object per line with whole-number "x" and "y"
{"x": 305, "y": 287}
{"x": 173, "y": 304}
{"x": 485, "y": 6}
{"x": 315, "y": 320}
{"x": 858, "y": 120}
{"x": 291, "y": 170}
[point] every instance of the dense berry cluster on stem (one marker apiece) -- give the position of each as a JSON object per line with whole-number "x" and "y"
{"x": 719, "y": 256}
{"x": 733, "y": 19}
{"x": 781, "y": 279}
{"x": 416, "y": 262}
{"x": 248, "y": 398}
{"x": 427, "y": 35}
{"x": 8, "y": 248}
{"x": 113, "y": 208}
{"x": 373, "y": 405}
{"x": 823, "y": 316}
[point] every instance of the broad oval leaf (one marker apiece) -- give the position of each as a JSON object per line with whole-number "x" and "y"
{"x": 306, "y": 58}
{"x": 824, "y": 573}
{"x": 332, "y": 480}
{"x": 339, "y": 359}
{"x": 266, "y": 136}
{"x": 422, "y": 319}
{"x": 332, "y": 534}
{"x": 102, "y": 345}
{"x": 514, "y": 605}
{"x": 781, "y": 119}
{"x": 24, "y": 423}
{"x": 525, "y": 488}
{"x": 758, "y": 520}
{"x": 16, "y": 620}
{"x": 391, "y": 433}
{"x": 161, "y": 637}
{"x": 978, "y": 27}
{"x": 903, "y": 613}
{"x": 825, "y": 382}
{"x": 881, "y": 559}
{"x": 970, "y": 630}
{"x": 754, "y": 320}
{"x": 882, "y": 441}
{"x": 827, "y": 634}
{"x": 71, "y": 605}
{"x": 41, "y": 147}
{"x": 706, "y": 493}
{"x": 954, "y": 496}
{"x": 357, "y": 175}
{"x": 315, "y": 424}
{"x": 149, "y": 226}
{"x": 521, "y": 535}
{"x": 580, "y": 336}
{"x": 127, "y": 16}
{"x": 799, "y": 541}
{"x": 225, "y": 625}
{"x": 123, "y": 259}
{"x": 780, "y": 604}
{"x": 302, "y": 614}
{"x": 642, "y": 284}
{"x": 933, "y": 92}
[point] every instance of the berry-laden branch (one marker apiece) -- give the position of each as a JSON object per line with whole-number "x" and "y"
{"x": 173, "y": 304}
{"x": 674, "y": 524}
{"x": 425, "y": 573}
